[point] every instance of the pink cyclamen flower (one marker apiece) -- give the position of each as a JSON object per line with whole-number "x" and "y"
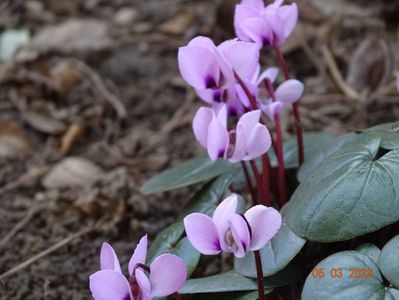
{"x": 230, "y": 232}
{"x": 210, "y": 69}
{"x": 250, "y": 138}
{"x": 166, "y": 275}
{"x": 265, "y": 25}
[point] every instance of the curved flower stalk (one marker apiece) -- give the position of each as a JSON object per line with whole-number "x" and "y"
{"x": 265, "y": 25}
{"x": 230, "y": 232}
{"x": 166, "y": 275}
{"x": 210, "y": 70}
{"x": 250, "y": 139}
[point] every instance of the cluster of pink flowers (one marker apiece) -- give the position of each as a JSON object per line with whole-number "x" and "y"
{"x": 227, "y": 75}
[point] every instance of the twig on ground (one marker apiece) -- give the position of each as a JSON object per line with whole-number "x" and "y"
{"x": 29, "y": 178}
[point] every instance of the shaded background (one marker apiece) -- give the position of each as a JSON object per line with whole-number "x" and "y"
{"x": 92, "y": 105}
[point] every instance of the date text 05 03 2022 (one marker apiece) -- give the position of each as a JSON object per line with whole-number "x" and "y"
{"x": 339, "y": 273}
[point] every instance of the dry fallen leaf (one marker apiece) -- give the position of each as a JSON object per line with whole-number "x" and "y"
{"x": 44, "y": 123}
{"x": 65, "y": 75}
{"x": 13, "y": 141}
{"x": 178, "y": 24}
{"x": 72, "y": 172}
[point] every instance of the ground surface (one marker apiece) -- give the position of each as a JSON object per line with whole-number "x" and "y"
{"x": 99, "y": 81}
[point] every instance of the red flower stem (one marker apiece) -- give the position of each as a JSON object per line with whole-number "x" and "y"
{"x": 259, "y": 274}
{"x": 295, "y": 108}
{"x": 249, "y": 183}
{"x": 280, "y": 154}
{"x": 263, "y": 185}
{"x": 259, "y": 184}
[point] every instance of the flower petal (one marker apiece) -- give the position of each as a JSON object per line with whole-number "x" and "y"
{"x": 277, "y": 27}
{"x": 199, "y": 67}
{"x": 270, "y": 73}
{"x": 272, "y": 108}
{"x": 264, "y": 222}
{"x": 289, "y": 17}
{"x": 258, "y": 30}
{"x": 144, "y": 284}
{"x": 211, "y": 96}
{"x": 258, "y": 4}
{"x": 108, "y": 259}
{"x": 168, "y": 274}
{"x": 289, "y": 91}
{"x": 139, "y": 255}
{"x": 242, "y": 56}
{"x": 202, "y": 233}
{"x": 241, "y": 235}
{"x": 109, "y": 285}
{"x": 241, "y": 14}
{"x": 249, "y": 120}
{"x": 218, "y": 139}
{"x": 259, "y": 142}
{"x": 201, "y": 122}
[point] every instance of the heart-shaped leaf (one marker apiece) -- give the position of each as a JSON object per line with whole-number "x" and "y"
{"x": 347, "y": 275}
{"x": 389, "y": 261}
{"x": 232, "y": 296}
{"x": 353, "y": 192}
{"x": 188, "y": 253}
{"x": 193, "y": 171}
{"x": 276, "y": 255}
{"x": 371, "y": 251}
{"x": 389, "y": 134}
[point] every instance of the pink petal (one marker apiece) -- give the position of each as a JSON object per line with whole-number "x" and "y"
{"x": 109, "y": 285}
{"x": 221, "y": 217}
{"x": 203, "y": 42}
{"x": 108, "y": 259}
{"x": 249, "y": 120}
{"x": 264, "y": 222}
{"x": 241, "y": 14}
{"x": 240, "y": 147}
{"x": 289, "y": 91}
{"x": 272, "y": 108}
{"x": 277, "y": 27}
{"x": 289, "y": 17}
{"x": 257, "y": 4}
{"x": 270, "y": 73}
{"x": 241, "y": 235}
{"x": 253, "y": 89}
{"x": 258, "y": 30}
{"x": 259, "y": 142}
{"x": 242, "y": 56}
{"x": 202, "y": 233}
{"x": 144, "y": 284}
{"x": 139, "y": 254}
{"x": 198, "y": 66}
{"x": 201, "y": 122}
{"x": 218, "y": 140}
{"x": 211, "y": 95}
{"x": 167, "y": 276}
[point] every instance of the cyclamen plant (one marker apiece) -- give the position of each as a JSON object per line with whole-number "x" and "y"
{"x": 344, "y": 190}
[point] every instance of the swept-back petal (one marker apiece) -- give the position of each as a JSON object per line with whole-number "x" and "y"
{"x": 202, "y": 119}
{"x": 168, "y": 274}
{"x": 270, "y": 73}
{"x": 249, "y": 120}
{"x": 211, "y": 96}
{"x": 108, "y": 259}
{"x": 242, "y": 13}
{"x": 109, "y": 285}
{"x": 264, "y": 222}
{"x": 199, "y": 67}
{"x": 272, "y": 108}
{"x": 242, "y": 56}
{"x": 289, "y": 91}
{"x": 259, "y": 142}
{"x": 144, "y": 284}
{"x": 218, "y": 140}
{"x": 241, "y": 235}
{"x": 258, "y": 31}
{"x": 277, "y": 27}
{"x": 289, "y": 16}
{"x": 202, "y": 233}
{"x": 139, "y": 255}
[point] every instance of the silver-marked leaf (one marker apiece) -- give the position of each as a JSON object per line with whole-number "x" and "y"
{"x": 351, "y": 193}
{"x": 346, "y": 275}
{"x": 193, "y": 171}
{"x": 389, "y": 134}
{"x": 389, "y": 261}
{"x": 370, "y": 250}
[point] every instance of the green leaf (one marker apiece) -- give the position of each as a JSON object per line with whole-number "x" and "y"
{"x": 318, "y": 157}
{"x": 276, "y": 255}
{"x": 206, "y": 200}
{"x": 193, "y": 171}
{"x": 389, "y": 134}
{"x": 233, "y": 296}
{"x": 332, "y": 287}
{"x": 389, "y": 261}
{"x": 351, "y": 193}
{"x": 233, "y": 282}
{"x": 165, "y": 241}
{"x": 188, "y": 253}
{"x": 371, "y": 251}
